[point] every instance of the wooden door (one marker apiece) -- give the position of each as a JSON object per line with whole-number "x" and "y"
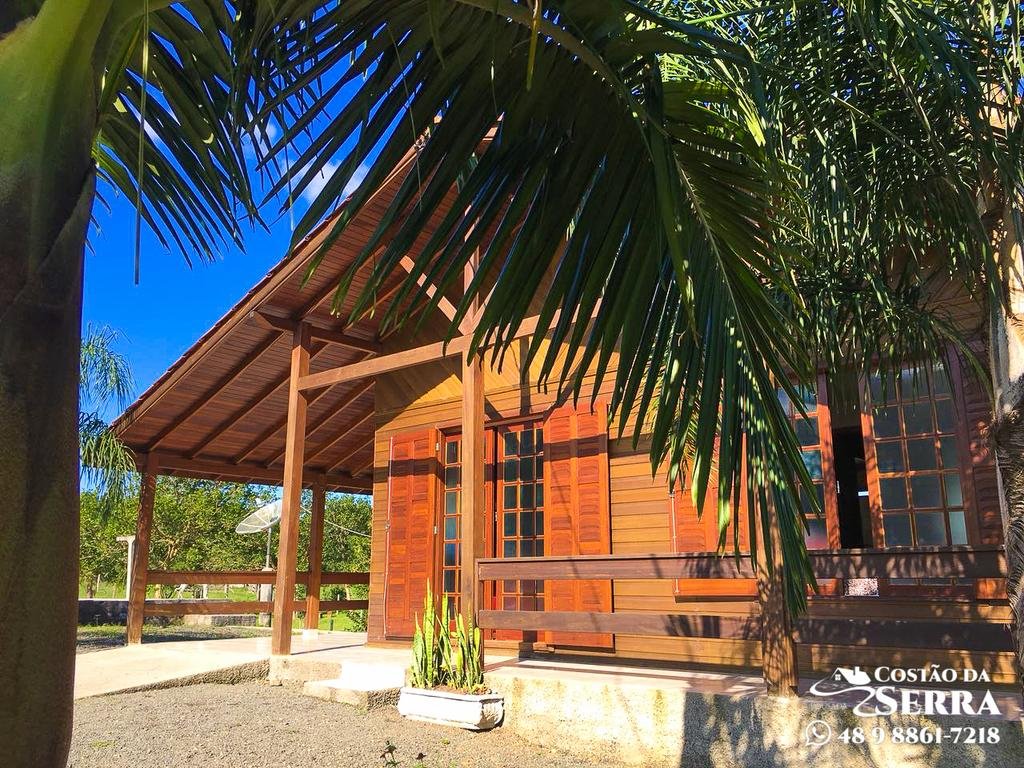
{"x": 412, "y": 492}
{"x": 577, "y": 514}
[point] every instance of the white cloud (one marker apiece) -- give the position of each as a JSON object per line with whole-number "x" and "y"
{"x": 317, "y": 184}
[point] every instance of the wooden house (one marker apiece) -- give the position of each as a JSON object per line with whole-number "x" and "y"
{"x": 530, "y": 514}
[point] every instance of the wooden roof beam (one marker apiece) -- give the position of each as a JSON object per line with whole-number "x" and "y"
{"x": 355, "y": 452}
{"x": 211, "y": 392}
{"x": 281, "y": 423}
{"x": 443, "y": 304}
{"x": 347, "y": 429}
{"x": 250, "y": 473}
{"x": 278, "y": 322}
{"x": 427, "y": 353}
{"x": 249, "y": 407}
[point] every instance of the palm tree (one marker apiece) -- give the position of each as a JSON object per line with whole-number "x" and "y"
{"x": 105, "y": 381}
{"x": 78, "y": 78}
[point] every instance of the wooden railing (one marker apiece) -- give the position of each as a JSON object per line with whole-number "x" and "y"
{"x": 902, "y": 563}
{"x": 173, "y": 607}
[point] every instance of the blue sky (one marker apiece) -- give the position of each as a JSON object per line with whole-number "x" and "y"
{"x": 174, "y": 303}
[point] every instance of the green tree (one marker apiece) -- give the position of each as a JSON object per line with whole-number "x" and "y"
{"x": 101, "y": 556}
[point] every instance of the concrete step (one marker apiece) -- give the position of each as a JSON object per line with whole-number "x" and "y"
{"x": 334, "y": 690}
{"x": 368, "y": 685}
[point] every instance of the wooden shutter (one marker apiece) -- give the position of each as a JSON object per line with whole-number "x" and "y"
{"x": 577, "y": 514}
{"x": 693, "y": 534}
{"x": 410, "y": 534}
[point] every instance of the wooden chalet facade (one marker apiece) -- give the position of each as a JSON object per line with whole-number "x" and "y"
{"x": 528, "y": 512}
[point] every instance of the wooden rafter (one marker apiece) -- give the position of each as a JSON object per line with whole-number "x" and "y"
{"x": 354, "y": 452}
{"x": 275, "y": 321}
{"x": 341, "y": 433}
{"x": 443, "y": 304}
{"x": 171, "y": 464}
{"x": 248, "y": 408}
{"x": 211, "y": 392}
{"x": 427, "y": 353}
{"x": 280, "y": 424}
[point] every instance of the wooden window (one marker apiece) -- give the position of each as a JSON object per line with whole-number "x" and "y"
{"x": 915, "y": 446}
{"x": 814, "y": 433}
{"x": 451, "y": 523}
{"x": 520, "y": 518}
{"x": 918, "y": 485}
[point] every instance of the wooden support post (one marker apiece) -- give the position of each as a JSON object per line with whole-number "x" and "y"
{"x": 778, "y": 650}
{"x": 473, "y": 507}
{"x": 316, "y": 557}
{"x": 140, "y": 562}
{"x": 288, "y": 542}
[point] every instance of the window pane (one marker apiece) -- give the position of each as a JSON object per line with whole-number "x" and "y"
{"x": 957, "y": 527}
{"x": 527, "y": 604}
{"x": 526, "y": 496}
{"x": 540, "y": 467}
{"x": 450, "y": 557}
{"x": 805, "y": 501}
{"x": 924, "y": 491}
{"x": 940, "y": 381}
{"x": 510, "y": 524}
{"x": 917, "y": 418}
{"x": 509, "y": 548}
{"x": 539, "y": 501}
{"x": 511, "y": 444}
{"x": 944, "y": 415}
{"x": 451, "y": 452}
{"x": 931, "y": 528}
{"x": 510, "y": 497}
{"x": 808, "y": 396}
{"x": 451, "y": 528}
{"x": 912, "y": 384}
{"x": 526, "y": 469}
{"x": 950, "y": 453}
{"x": 511, "y": 470}
{"x": 526, "y": 548}
{"x": 526, "y": 442}
{"x": 812, "y": 460}
{"x": 887, "y": 422}
{"x": 954, "y": 493}
{"x": 449, "y": 581}
{"x": 539, "y": 440}
{"x": 526, "y": 524}
{"x": 897, "y": 530}
{"x": 921, "y": 454}
{"x": 787, "y": 404}
{"x": 508, "y": 603}
{"x": 890, "y": 457}
{"x": 878, "y": 392}
{"x": 509, "y": 585}
{"x": 538, "y": 548}
{"x": 816, "y": 535}
{"x": 451, "y": 502}
{"x": 894, "y": 493}
{"x": 539, "y": 522}
{"x": 451, "y": 477}
{"x": 807, "y": 431}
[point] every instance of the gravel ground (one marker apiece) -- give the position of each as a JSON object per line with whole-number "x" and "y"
{"x": 253, "y": 725}
{"x": 100, "y": 638}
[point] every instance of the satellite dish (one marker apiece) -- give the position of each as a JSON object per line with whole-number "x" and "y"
{"x": 262, "y": 519}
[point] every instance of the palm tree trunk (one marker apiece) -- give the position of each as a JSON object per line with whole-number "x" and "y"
{"x": 1006, "y": 360}
{"x": 48, "y": 88}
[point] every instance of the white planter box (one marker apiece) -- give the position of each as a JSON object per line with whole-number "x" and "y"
{"x": 474, "y": 712}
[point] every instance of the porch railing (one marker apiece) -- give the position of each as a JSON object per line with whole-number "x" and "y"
{"x": 901, "y": 563}
{"x": 172, "y": 607}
